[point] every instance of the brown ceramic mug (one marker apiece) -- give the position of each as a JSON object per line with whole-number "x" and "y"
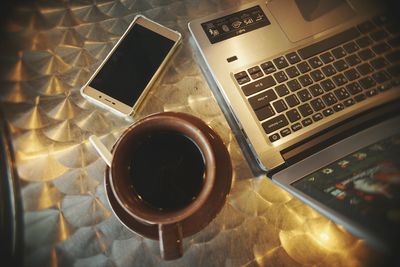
{"x": 172, "y": 225}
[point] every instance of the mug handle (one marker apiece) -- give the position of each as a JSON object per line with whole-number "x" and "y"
{"x": 170, "y": 236}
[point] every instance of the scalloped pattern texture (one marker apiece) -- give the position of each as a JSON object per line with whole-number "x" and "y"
{"x": 51, "y": 49}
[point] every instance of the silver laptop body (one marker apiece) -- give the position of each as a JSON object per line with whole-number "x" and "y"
{"x": 243, "y": 50}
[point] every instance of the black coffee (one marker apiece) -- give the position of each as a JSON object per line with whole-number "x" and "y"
{"x": 167, "y": 170}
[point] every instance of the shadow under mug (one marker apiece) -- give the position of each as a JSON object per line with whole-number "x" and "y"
{"x": 169, "y": 226}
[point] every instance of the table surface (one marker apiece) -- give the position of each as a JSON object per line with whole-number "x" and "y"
{"x": 51, "y": 49}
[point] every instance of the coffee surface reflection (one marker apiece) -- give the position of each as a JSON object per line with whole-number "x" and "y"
{"x": 167, "y": 170}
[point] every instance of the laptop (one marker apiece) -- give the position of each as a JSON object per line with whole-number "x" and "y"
{"x": 314, "y": 88}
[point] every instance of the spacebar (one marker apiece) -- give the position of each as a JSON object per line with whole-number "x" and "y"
{"x": 328, "y": 43}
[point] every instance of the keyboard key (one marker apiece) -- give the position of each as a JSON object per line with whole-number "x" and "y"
{"x": 293, "y": 58}
{"x": 280, "y": 106}
{"x": 265, "y": 112}
{"x": 393, "y": 28}
{"x": 381, "y": 48}
{"x": 280, "y": 76}
{"x": 316, "y": 90}
{"x": 338, "y": 107}
{"x": 327, "y": 85}
{"x": 315, "y": 62}
{"x": 328, "y": 43}
{"x": 359, "y": 97}
{"x": 339, "y": 79}
{"x": 280, "y": 62}
{"x": 394, "y": 42}
{"x": 338, "y": 52}
{"x": 254, "y": 70}
{"x": 257, "y": 75}
{"x": 258, "y": 86}
{"x": 286, "y": 132}
{"x": 317, "y": 117}
{"x": 341, "y": 93}
{"x": 328, "y": 70}
{"x": 395, "y": 82}
{"x": 303, "y": 67}
{"x": 274, "y": 137}
{"x": 275, "y": 123}
{"x": 305, "y": 80}
{"x": 295, "y": 127}
{"x": 242, "y": 77}
{"x": 293, "y": 85}
{"x": 268, "y": 67}
{"x": 353, "y": 60}
{"x": 340, "y": 65}
{"x": 366, "y": 54}
{"x": 329, "y": 99}
{"x": 292, "y": 100}
{"x": 317, "y": 104}
{"x": 393, "y": 56}
{"x": 293, "y": 115}
{"x": 394, "y": 70}
{"x": 367, "y": 82}
{"x": 381, "y": 77}
{"x": 352, "y": 74}
{"x": 350, "y": 47}
{"x": 371, "y": 93}
{"x": 326, "y": 57}
{"x": 378, "y": 35}
{"x": 306, "y": 122}
{"x": 317, "y": 75}
{"x": 349, "y": 102}
{"x": 364, "y": 41}
{"x": 305, "y": 110}
{"x": 384, "y": 87}
{"x": 327, "y": 112}
{"x": 353, "y": 88}
{"x": 282, "y": 90}
{"x": 304, "y": 95}
{"x": 366, "y": 27}
{"x": 365, "y": 69}
{"x": 379, "y": 63}
{"x": 292, "y": 72}
{"x": 262, "y": 99}
{"x": 244, "y": 80}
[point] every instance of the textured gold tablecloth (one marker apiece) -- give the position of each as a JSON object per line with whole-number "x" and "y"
{"x": 49, "y": 51}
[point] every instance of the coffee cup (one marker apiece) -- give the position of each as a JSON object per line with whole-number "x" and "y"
{"x": 167, "y": 177}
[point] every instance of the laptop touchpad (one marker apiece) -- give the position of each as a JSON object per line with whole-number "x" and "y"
{"x": 300, "y": 19}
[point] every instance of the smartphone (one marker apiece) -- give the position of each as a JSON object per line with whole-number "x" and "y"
{"x": 124, "y": 78}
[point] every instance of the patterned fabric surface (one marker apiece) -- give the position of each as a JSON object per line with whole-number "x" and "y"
{"x": 50, "y": 49}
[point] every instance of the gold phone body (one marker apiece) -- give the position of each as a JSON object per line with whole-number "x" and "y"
{"x": 115, "y": 105}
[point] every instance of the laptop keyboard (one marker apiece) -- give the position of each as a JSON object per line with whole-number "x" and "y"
{"x": 295, "y": 90}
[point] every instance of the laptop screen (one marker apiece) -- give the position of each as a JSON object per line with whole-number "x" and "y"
{"x": 364, "y": 185}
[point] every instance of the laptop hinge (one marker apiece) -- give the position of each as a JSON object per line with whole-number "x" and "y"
{"x": 339, "y": 131}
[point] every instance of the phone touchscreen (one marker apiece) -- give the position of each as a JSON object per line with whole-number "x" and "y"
{"x": 132, "y": 65}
